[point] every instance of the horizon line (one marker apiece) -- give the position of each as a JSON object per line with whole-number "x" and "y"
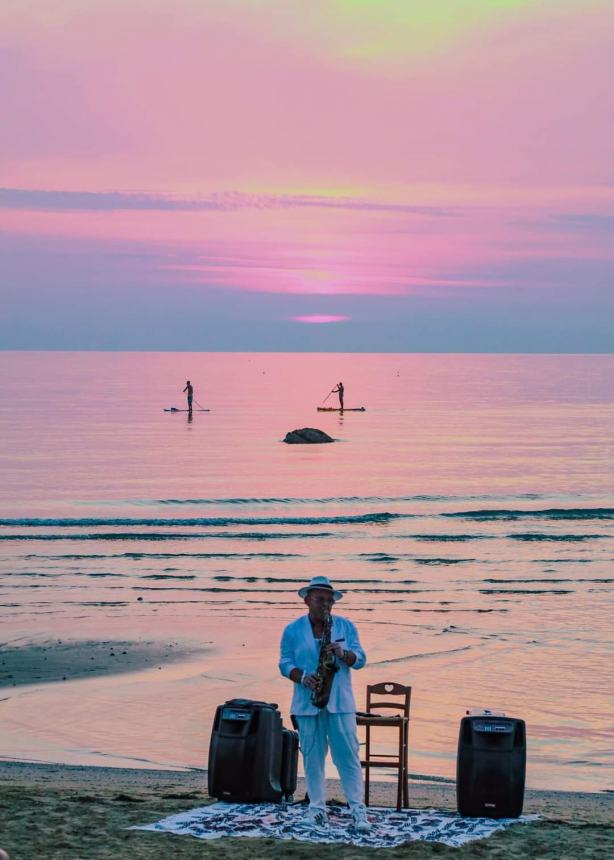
{"x": 307, "y": 351}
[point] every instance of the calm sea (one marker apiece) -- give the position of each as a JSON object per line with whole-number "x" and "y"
{"x": 467, "y": 514}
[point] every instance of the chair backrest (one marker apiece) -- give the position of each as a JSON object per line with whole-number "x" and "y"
{"x": 389, "y": 689}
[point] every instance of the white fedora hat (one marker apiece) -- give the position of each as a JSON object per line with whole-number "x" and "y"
{"x": 319, "y": 582}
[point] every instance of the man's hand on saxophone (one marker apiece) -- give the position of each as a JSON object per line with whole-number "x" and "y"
{"x": 336, "y": 648}
{"x": 307, "y": 680}
{"x": 310, "y": 681}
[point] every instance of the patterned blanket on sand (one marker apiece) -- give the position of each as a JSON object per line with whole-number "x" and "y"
{"x": 278, "y": 821}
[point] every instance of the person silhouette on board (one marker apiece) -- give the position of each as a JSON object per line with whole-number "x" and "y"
{"x": 340, "y": 391}
{"x": 190, "y": 389}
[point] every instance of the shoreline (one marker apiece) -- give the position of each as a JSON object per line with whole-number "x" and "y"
{"x": 584, "y": 806}
{"x": 74, "y": 812}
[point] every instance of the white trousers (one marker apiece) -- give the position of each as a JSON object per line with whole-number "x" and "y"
{"x": 316, "y": 733}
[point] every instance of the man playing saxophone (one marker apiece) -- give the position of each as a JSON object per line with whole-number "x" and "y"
{"x": 317, "y": 652}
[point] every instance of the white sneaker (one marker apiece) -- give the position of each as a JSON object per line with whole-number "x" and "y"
{"x": 361, "y": 822}
{"x": 317, "y": 818}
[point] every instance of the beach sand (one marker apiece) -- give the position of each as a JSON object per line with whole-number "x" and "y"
{"x": 83, "y": 813}
{"x": 69, "y": 813}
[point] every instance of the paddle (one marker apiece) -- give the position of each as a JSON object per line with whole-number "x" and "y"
{"x": 327, "y": 396}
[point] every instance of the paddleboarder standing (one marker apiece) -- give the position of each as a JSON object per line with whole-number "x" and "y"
{"x": 189, "y": 388}
{"x": 339, "y": 390}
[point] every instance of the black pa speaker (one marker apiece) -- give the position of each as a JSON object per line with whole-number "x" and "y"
{"x": 245, "y": 753}
{"x": 490, "y": 767}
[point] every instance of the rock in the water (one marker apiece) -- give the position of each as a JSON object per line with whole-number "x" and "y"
{"x": 307, "y": 436}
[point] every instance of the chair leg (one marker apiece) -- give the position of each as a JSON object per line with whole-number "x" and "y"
{"x": 367, "y": 765}
{"x": 405, "y": 766}
{"x": 400, "y": 771}
{"x": 405, "y": 789}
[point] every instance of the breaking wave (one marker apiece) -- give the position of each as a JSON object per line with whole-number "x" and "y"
{"x": 90, "y": 522}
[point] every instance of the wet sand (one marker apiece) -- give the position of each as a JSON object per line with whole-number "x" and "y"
{"x": 82, "y": 813}
{"x": 64, "y": 660}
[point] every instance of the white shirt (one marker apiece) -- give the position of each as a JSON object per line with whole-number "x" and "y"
{"x": 300, "y": 650}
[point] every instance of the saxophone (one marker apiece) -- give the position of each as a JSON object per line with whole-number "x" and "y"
{"x": 327, "y": 666}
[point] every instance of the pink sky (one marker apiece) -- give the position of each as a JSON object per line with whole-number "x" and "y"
{"x": 330, "y": 151}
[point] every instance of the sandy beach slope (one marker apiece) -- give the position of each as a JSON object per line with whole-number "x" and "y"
{"x": 83, "y": 813}
{"x": 59, "y": 812}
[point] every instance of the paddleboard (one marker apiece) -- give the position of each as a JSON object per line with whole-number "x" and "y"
{"x": 338, "y": 409}
{"x": 173, "y": 409}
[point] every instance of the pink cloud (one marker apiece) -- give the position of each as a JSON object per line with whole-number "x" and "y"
{"x": 336, "y": 177}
